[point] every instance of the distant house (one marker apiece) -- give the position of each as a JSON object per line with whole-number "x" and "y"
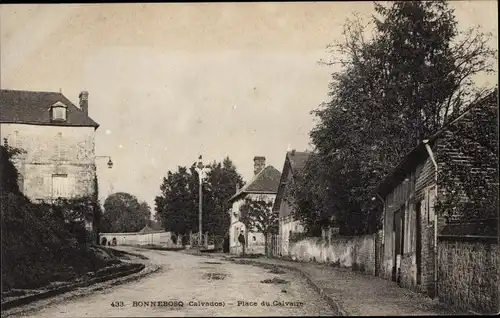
{"x": 264, "y": 185}
{"x": 440, "y": 229}
{"x": 58, "y": 139}
{"x": 294, "y": 163}
{"x": 151, "y": 228}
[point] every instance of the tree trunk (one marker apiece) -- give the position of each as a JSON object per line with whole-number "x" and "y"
{"x": 266, "y": 249}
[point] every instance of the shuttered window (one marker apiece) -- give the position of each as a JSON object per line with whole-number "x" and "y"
{"x": 62, "y": 186}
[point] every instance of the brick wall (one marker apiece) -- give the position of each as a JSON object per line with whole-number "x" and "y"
{"x": 53, "y": 150}
{"x": 468, "y": 275}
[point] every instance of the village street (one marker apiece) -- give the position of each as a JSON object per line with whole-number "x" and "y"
{"x": 191, "y": 280}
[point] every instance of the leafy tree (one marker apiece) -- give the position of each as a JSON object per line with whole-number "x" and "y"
{"x": 8, "y": 172}
{"x": 413, "y": 76}
{"x": 177, "y": 206}
{"x": 257, "y": 215}
{"x": 220, "y": 186}
{"x": 125, "y": 213}
{"x": 305, "y": 194}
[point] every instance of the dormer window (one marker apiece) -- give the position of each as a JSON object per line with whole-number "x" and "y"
{"x": 59, "y": 111}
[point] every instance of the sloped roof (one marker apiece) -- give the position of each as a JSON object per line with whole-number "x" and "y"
{"x": 31, "y": 107}
{"x": 419, "y": 152}
{"x": 265, "y": 182}
{"x": 295, "y": 161}
{"x": 147, "y": 229}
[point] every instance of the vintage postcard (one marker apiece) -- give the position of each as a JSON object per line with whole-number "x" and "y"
{"x": 249, "y": 159}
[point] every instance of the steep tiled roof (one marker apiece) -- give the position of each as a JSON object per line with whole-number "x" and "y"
{"x": 266, "y": 181}
{"x": 294, "y": 162}
{"x": 419, "y": 152}
{"x": 30, "y": 107}
{"x": 297, "y": 160}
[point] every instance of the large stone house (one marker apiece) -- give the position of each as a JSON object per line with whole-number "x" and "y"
{"x": 264, "y": 185}
{"x": 440, "y": 225}
{"x": 294, "y": 163}
{"x": 58, "y": 140}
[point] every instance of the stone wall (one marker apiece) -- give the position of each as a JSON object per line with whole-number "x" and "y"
{"x": 49, "y": 151}
{"x": 469, "y": 275}
{"x": 355, "y": 252}
{"x": 288, "y": 226}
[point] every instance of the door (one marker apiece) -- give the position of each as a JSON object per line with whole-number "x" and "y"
{"x": 398, "y": 228}
{"x": 395, "y": 242}
{"x": 418, "y": 241}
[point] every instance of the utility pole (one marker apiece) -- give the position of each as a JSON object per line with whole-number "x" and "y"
{"x": 200, "y": 168}
{"x": 200, "y": 209}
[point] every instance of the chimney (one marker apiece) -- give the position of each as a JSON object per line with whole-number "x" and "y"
{"x": 259, "y": 163}
{"x": 84, "y": 102}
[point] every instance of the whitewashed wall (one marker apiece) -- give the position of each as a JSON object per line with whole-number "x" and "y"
{"x": 162, "y": 238}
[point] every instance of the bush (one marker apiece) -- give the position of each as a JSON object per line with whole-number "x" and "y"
{"x": 297, "y": 236}
{"x": 38, "y": 246}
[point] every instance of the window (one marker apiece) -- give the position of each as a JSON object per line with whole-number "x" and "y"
{"x": 59, "y": 111}
{"x": 254, "y": 238}
{"x": 60, "y": 150}
{"x": 62, "y": 186}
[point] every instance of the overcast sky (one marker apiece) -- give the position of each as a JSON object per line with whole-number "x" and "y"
{"x": 168, "y": 82}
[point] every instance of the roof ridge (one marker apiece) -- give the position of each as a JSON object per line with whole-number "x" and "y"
{"x": 30, "y": 91}
{"x": 256, "y": 177}
{"x": 470, "y": 107}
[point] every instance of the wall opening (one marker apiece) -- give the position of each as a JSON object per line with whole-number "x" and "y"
{"x": 418, "y": 234}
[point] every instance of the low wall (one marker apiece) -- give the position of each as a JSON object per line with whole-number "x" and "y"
{"x": 355, "y": 252}
{"x": 254, "y": 245}
{"x": 468, "y": 275}
{"x": 162, "y": 238}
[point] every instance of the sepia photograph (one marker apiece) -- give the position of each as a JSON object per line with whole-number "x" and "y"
{"x": 335, "y": 158}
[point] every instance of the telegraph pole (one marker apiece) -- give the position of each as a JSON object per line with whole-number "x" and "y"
{"x": 200, "y": 169}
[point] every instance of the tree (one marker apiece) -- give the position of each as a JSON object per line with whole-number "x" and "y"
{"x": 125, "y": 213}
{"x": 257, "y": 215}
{"x": 413, "y": 76}
{"x": 221, "y": 183}
{"x": 177, "y": 206}
{"x": 8, "y": 172}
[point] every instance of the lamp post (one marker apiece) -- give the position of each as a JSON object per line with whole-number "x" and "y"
{"x": 110, "y": 165}
{"x": 201, "y": 170}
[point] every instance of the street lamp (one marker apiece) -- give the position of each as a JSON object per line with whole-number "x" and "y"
{"x": 110, "y": 163}
{"x": 201, "y": 170}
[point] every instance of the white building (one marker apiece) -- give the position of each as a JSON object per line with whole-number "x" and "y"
{"x": 264, "y": 185}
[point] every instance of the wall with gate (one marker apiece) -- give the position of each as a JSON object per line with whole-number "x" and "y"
{"x": 161, "y": 238}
